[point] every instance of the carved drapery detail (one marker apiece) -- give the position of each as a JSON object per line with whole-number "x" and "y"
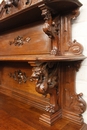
{"x": 19, "y": 76}
{"x": 19, "y": 40}
{"x": 45, "y": 77}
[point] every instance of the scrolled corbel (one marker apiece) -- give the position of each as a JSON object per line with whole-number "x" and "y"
{"x": 44, "y": 79}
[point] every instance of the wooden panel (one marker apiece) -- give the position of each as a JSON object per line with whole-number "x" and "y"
{"x": 14, "y": 85}
{"x": 28, "y": 40}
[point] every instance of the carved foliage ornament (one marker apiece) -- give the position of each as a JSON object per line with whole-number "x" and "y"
{"x": 19, "y": 76}
{"x": 18, "y": 41}
{"x": 45, "y": 76}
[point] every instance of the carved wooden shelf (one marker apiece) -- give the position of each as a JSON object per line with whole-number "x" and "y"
{"x": 39, "y": 60}
{"x": 23, "y": 12}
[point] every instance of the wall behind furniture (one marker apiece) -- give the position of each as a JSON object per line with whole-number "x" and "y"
{"x": 79, "y": 32}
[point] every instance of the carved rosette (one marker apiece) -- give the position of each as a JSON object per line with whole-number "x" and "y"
{"x": 45, "y": 76}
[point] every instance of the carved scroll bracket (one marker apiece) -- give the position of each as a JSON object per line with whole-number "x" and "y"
{"x": 51, "y": 27}
{"x": 46, "y": 79}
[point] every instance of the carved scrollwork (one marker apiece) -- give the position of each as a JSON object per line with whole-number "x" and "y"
{"x": 45, "y": 76}
{"x": 75, "y": 102}
{"x": 75, "y": 48}
{"x": 18, "y": 41}
{"x": 78, "y": 104}
{"x": 19, "y": 76}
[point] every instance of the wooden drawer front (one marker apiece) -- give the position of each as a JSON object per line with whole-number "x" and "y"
{"x": 28, "y": 40}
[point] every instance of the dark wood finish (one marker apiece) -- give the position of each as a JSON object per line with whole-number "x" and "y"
{"x": 39, "y": 60}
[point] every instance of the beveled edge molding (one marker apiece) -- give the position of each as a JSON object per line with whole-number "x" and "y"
{"x": 19, "y": 41}
{"x": 19, "y": 76}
